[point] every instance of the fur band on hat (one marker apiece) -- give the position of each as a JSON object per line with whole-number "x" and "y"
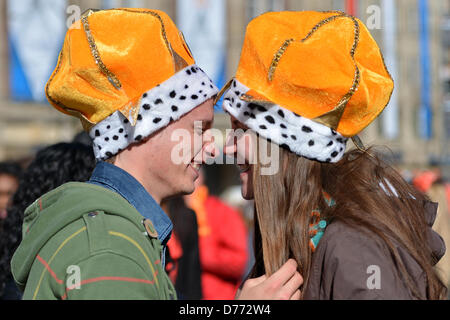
{"x": 298, "y": 134}
{"x": 158, "y": 107}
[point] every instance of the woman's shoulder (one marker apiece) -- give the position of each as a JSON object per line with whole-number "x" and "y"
{"x": 345, "y": 242}
{"x": 352, "y": 262}
{"x": 340, "y": 230}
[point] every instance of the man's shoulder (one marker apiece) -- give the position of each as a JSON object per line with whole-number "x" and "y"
{"x": 82, "y": 220}
{"x": 98, "y": 245}
{"x": 74, "y": 193}
{"x": 98, "y": 233}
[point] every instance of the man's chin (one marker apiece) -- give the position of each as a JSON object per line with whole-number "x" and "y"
{"x": 187, "y": 189}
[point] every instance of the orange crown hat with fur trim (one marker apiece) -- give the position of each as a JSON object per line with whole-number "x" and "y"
{"x": 110, "y": 58}
{"x": 323, "y": 67}
{"x": 126, "y": 73}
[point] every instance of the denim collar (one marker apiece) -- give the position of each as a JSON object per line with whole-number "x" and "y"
{"x": 114, "y": 178}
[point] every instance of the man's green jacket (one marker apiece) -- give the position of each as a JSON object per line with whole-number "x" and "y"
{"x": 82, "y": 241}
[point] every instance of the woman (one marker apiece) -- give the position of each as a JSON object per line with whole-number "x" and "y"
{"x": 306, "y": 83}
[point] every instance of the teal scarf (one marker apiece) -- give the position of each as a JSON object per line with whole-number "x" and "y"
{"x": 318, "y": 225}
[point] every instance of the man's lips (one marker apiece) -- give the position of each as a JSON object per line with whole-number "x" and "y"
{"x": 195, "y": 167}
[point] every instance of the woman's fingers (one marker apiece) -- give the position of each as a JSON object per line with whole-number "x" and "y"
{"x": 296, "y": 295}
{"x": 284, "y": 284}
{"x": 255, "y": 281}
{"x": 286, "y": 272}
{"x": 291, "y": 287}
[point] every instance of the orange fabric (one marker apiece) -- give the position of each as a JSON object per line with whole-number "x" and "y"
{"x": 176, "y": 252}
{"x": 425, "y": 180}
{"x": 222, "y": 245}
{"x": 197, "y": 203}
{"x": 312, "y": 76}
{"x": 224, "y": 252}
{"x": 131, "y": 45}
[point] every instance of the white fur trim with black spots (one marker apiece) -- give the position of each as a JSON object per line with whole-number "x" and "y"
{"x": 297, "y": 134}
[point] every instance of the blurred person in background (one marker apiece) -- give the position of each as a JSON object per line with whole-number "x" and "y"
{"x": 222, "y": 242}
{"x": 9, "y": 182}
{"x": 182, "y": 256}
{"x": 83, "y": 138}
{"x": 52, "y": 167}
{"x": 356, "y": 229}
{"x": 233, "y": 196}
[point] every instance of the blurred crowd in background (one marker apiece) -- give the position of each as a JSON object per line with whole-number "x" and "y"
{"x": 210, "y": 251}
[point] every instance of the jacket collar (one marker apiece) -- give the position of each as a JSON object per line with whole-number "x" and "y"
{"x": 118, "y": 180}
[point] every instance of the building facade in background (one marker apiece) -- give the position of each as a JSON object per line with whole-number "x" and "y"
{"x": 413, "y": 34}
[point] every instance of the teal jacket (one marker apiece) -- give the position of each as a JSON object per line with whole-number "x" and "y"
{"x": 82, "y": 241}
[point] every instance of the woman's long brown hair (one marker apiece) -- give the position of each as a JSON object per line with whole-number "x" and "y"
{"x": 284, "y": 202}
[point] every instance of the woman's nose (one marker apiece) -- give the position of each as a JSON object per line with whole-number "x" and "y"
{"x": 230, "y": 147}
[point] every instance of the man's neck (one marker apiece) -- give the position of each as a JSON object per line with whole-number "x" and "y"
{"x": 145, "y": 182}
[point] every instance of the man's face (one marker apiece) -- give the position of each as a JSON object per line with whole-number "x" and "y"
{"x": 173, "y": 156}
{"x": 8, "y": 186}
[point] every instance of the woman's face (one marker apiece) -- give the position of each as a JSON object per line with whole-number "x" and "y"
{"x": 240, "y": 144}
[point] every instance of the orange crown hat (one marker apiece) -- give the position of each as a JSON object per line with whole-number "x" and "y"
{"x": 126, "y": 73}
{"x": 308, "y": 81}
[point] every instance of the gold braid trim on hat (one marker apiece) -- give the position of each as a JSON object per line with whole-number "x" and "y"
{"x": 280, "y": 52}
{"x": 130, "y": 110}
{"x": 222, "y": 91}
{"x": 277, "y": 57}
{"x": 178, "y": 62}
{"x": 94, "y": 51}
{"x": 330, "y": 119}
{"x": 333, "y": 117}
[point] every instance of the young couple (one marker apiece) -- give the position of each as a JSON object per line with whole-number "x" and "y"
{"x": 328, "y": 224}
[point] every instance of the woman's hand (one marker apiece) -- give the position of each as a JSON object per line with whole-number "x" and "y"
{"x": 282, "y": 285}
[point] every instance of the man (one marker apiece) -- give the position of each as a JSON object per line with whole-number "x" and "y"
{"x": 131, "y": 79}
